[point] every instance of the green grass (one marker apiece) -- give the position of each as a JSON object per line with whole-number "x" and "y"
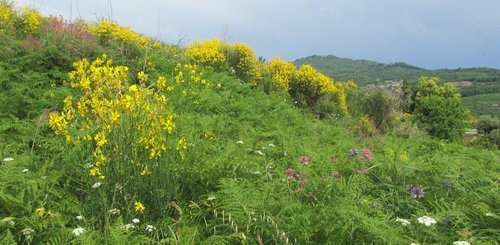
{"x": 232, "y": 187}
{"x": 483, "y": 104}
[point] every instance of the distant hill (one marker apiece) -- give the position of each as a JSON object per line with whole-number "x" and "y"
{"x": 368, "y": 72}
{"x": 471, "y": 82}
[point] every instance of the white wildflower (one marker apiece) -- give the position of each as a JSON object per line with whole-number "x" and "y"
{"x": 128, "y": 227}
{"x": 136, "y": 221}
{"x": 150, "y": 228}
{"x": 461, "y": 243}
{"x": 271, "y": 145}
{"x": 426, "y": 220}
{"x": 210, "y": 199}
{"x": 25, "y": 170}
{"x": 260, "y": 153}
{"x": 78, "y": 231}
{"x": 79, "y": 217}
{"x": 8, "y": 159}
{"x": 96, "y": 185}
{"x": 404, "y": 222}
{"x": 489, "y": 214}
{"x": 114, "y": 211}
{"x": 414, "y": 243}
{"x": 240, "y": 142}
{"x": 27, "y": 232}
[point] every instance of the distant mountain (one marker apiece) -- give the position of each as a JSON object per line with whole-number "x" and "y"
{"x": 369, "y": 72}
{"x": 480, "y": 85}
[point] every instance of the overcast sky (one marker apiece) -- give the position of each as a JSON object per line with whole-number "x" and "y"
{"x": 426, "y": 33}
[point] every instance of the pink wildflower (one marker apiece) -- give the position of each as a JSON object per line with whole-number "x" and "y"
{"x": 366, "y": 154}
{"x": 305, "y": 160}
{"x": 303, "y": 182}
{"x": 300, "y": 175}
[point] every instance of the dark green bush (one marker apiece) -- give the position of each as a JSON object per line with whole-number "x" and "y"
{"x": 439, "y": 109}
{"x": 380, "y": 104}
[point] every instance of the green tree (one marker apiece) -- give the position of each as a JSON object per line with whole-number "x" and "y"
{"x": 439, "y": 109}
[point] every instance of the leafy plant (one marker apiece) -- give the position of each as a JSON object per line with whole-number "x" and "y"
{"x": 439, "y": 109}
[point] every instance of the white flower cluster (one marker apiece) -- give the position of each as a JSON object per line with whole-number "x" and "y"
{"x": 426, "y": 220}
{"x": 27, "y": 232}
{"x": 404, "y": 222}
{"x": 260, "y": 153}
{"x": 461, "y": 243}
{"x": 78, "y": 231}
{"x": 136, "y": 221}
{"x": 128, "y": 227}
{"x": 114, "y": 211}
{"x": 96, "y": 185}
{"x": 150, "y": 228}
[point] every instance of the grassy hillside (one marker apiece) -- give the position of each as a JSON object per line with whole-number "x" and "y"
{"x": 109, "y": 137}
{"x": 484, "y": 104}
{"x": 368, "y": 72}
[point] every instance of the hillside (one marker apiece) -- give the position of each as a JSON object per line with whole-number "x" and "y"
{"x": 470, "y": 81}
{"x": 111, "y": 137}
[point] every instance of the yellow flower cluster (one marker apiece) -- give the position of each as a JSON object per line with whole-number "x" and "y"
{"x": 308, "y": 76}
{"x": 6, "y": 14}
{"x": 40, "y": 212}
{"x": 282, "y": 72}
{"x": 110, "y": 30}
{"x": 306, "y": 79}
{"x": 243, "y": 59}
{"x": 31, "y": 19}
{"x": 190, "y": 74}
{"x": 404, "y": 155}
{"x": 208, "y": 53}
{"x": 109, "y": 105}
{"x": 214, "y": 53}
{"x": 139, "y": 207}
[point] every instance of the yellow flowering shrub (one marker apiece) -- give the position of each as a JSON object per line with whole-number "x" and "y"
{"x": 243, "y": 60}
{"x": 6, "y": 14}
{"x": 308, "y": 78}
{"x": 281, "y": 72}
{"x": 107, "y": 107}
{"x": 31, "y": 20}
{"x": 208, "y": 53}
{"x": 107, "y": 31}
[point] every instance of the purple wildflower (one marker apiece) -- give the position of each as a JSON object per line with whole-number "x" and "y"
{"x": 417, "y": 192}
{"x": 353, "y": 152}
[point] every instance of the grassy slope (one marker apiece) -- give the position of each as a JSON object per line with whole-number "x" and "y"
{"x": 484, "y": 104}
{"x": 338, "y": 204}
